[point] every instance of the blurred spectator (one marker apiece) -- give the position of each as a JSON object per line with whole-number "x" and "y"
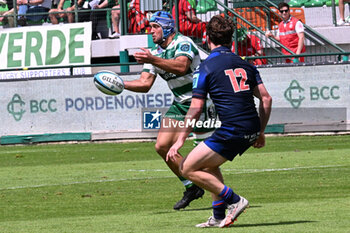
{"x": 8, "y": 21}
{"x": 98, "y": 18}
{"x": 189, "y": 24}
{"x": 115, "y": 15}
{"x": 249, "y": 45}
{"x": 3, "y": 2}
{"x": 54, "y": 18}
{"x": 29, "y": 7}
{"x": 342, "y": 20}
{"x": 83, "y": 15}
{"x": 290, "y": 33}
{"x": 33, "y": 7}
{"x": 3, "y": 9}
{"x": 138, "y": 22}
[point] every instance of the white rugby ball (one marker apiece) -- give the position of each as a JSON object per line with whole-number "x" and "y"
{"x": 108, "y": 82}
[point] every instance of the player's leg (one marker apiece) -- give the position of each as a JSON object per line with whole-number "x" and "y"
{"x": 218, "y": 204}
{"x": 167, "y": 136}
{"x": 199, "y": 137}
{"x": 202, "y": 167}
{"x": 192, "y": 191}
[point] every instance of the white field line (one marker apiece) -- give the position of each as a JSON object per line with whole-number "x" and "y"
{"x": 234, "y": 171}
{"x": 243, "y": 171}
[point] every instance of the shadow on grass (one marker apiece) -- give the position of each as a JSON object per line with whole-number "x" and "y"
{"x": 208, "y": 208}
{"x": 271, "y": 224}
{"x": 177, "y": 211}
{"x": 200, "y": 209}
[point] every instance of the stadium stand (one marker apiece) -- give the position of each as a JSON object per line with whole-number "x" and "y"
{"x": 189, "y": 23}
{"x": 63, "y": 16}
{"x": 254, "y": 17}
{"x": 137, "y": 18}
{"x": 3, "y": 9}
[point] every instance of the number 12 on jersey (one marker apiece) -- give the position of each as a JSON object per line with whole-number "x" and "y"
{"x": 234, "y": 75}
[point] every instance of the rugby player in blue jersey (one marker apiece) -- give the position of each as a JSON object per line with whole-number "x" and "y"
{"x": 232, "y": 84}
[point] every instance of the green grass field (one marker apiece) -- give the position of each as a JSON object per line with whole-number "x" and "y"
{"x": 294, "y": 184}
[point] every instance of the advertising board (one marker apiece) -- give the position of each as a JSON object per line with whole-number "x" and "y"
{"x": 52, "y": 45}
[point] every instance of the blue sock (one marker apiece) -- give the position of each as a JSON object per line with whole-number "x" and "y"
{"x": 229, "y": 196}
{"x": 219, "y": 208}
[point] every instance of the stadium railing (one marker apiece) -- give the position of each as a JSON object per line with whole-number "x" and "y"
{"x": 318, "y": 48}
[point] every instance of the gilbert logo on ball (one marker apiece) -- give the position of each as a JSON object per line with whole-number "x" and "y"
{"x": 108, "y": 82}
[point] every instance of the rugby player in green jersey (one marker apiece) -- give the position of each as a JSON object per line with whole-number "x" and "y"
{"x": 174, "y": 58}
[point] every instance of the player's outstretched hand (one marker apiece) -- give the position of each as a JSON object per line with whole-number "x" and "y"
{"x": 260, "y": 142}
{"x": 174, "y": 152}
{"x": 144, "y": 57}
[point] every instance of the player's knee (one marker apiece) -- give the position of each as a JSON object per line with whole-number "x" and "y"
{"x": 181, "y": 167}
{"x": 161, "y": 149}
{"x": 185, "y": 171}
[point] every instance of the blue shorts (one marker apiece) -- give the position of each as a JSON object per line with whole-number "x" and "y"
{"x": 230, "y": 145}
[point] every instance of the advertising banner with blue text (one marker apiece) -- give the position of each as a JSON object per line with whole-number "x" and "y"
{"x": 305, "y": 99}
{"x": 309, "y": 98}
{"x": 74, "y": 105}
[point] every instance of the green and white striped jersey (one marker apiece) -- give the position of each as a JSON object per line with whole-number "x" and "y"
{"x": 181, "y": 86}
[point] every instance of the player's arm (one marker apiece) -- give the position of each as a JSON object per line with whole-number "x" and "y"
{"x": 193, "y": 114}
{"x": 143, "y": 84}
{"x": 264, "y": 111}
{"x": 178, "y": 66}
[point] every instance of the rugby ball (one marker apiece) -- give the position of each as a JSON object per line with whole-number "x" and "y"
{"x": 108, "y": 82}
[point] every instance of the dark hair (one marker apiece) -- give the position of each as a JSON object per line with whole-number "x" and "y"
{"x": 220, "y": 30}
{"x": 283, "y": 4}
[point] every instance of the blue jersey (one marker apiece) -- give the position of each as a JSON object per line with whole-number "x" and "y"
{"x": 230, "y": 82}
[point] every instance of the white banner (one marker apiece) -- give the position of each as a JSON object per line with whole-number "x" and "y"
{"x": 74, "y": 105}
{"x": 311, "y": 96}
{"x": 52, "y": 45}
